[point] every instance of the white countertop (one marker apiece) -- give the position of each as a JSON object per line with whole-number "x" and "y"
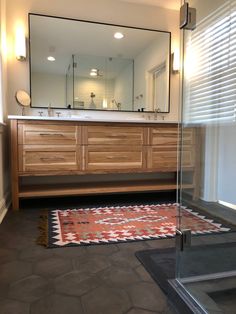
{"x": 88, "y": 119}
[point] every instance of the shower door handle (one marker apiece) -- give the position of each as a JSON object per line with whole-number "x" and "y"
{"x": 183, "y": 238}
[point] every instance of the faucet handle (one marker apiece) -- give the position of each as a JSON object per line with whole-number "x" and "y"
{"x": 58, "y": 113}
{"x": 40, "y": 113}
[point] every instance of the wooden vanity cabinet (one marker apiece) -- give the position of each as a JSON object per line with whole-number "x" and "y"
{"x": 52, "y": 148}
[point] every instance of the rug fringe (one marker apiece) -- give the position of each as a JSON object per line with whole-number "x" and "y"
{"x": 43, "y": 229}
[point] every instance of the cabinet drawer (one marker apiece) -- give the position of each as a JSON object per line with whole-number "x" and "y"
{"x": 164, "y": 136}
{"x": 111, "y": 158}
{"x": 188, "y": 157}
{"x": 42, "y": 134}
{"x": 162, "y": 158}
{"x": 34, "y": 158}
{"x": 111, "y": 135}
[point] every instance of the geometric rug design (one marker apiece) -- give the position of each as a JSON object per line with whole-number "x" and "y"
{"x": 85, "y": 226}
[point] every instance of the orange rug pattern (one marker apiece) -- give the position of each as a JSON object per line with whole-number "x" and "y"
{"x": 122, "y": 223}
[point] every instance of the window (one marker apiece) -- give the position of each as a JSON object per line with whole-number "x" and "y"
{"x": 210, "y": 68}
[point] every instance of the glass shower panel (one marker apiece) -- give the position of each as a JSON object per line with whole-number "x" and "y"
{"x": 207, "y": 267}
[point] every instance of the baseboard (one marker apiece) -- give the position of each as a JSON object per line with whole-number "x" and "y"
{"x": 4, "y": 206}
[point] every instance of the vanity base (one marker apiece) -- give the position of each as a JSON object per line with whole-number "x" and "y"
{"x": 76, "y": 149}
{"x": 98, "y": 188}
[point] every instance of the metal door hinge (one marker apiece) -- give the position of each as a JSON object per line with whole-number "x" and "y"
{"x": 187, "y": 17}
{"x": 183, "y": 238}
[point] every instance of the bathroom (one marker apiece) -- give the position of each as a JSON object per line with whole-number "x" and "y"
{"x": 137, "y": 171}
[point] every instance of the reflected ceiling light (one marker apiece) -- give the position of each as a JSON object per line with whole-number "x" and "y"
{"x": 94, "y": 72}
{"x": 51, "y": 58}
{"x": 118, "y": 35}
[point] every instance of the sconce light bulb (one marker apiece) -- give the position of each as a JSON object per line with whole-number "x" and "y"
{"x": 20, "y": 44}
{"x": 176, "y": 61}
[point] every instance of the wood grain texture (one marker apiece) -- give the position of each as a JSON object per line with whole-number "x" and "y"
{"x": 113, "y": 135}
{"x": 97, "y": 188}
{"x": 44, "y": 148}
{"x": 49, "y": 158}
{"x": 109, "y": 158}
{"x": 42, "y": 134}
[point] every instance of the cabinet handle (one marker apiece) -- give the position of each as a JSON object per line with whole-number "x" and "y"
{"x": 116, "y": 157}
{"x": 52, "y": 158}
{"x": 51, "y": 134}
{"x": 118, "y": 135}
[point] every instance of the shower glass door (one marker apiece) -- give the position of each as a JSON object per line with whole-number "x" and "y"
{"x": 206, "y": 268}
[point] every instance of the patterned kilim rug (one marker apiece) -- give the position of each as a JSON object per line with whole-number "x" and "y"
{"x": 71, "y": 227}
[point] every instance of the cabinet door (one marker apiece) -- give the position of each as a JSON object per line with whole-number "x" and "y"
{"x": 162, "y": 158}
{"x": 33, "y": 158}
{"x": 163, "y": 136}
{"x": 113, "y": 158}
{"x": 114, "y": 135}
{"x": 48, "y": 134}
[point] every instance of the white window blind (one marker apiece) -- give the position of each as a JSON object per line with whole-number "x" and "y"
{"x": 210, "y": 68}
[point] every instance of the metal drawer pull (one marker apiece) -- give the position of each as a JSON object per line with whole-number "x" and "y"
{"x": 51, "y": 134}
{"x": 117, "y": 157}
{"x": 118, "y": 135}
{"x": 52, "y": 158}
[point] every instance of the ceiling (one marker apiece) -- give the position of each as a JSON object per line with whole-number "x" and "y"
{"x": 167, "y": 4}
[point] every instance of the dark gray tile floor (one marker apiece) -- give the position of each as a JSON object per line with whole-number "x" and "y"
{"x": 101, "y": 279}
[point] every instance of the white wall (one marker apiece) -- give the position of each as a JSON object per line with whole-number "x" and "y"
{"x": 51, "y": 89}
{"x": 147, "y": 60}
{"x": 4, "y": 164}
{"x": 110, "y": 11}
{"x": 103, "y": 89}
{"x": 122, "y": 89}
{"x": 227, "y": 164}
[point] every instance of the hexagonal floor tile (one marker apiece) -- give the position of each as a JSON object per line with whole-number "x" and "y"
{"x": 7, "y": 255}
{"x": 125, "y": 258}
{"x": 14, "y": 271}
{"x": 119, "y": 277}
{"x": 147, "y": 296}
{"x": 13, "y": 307}
{"x": 104, "y": 300}
{"x": 143, "y": 274}
{"x": 57, "y": 304}
{"x": 140, "y": 311}
{"x": 30, "y": 289}
{"x": 70, "y": 252}
{"x": 161, "y": 243}
{"x": 133, "y": 246}
{"x": 35, "y": 253}
{"x": 102, "y": 249}
{"x": 92, "y": 264}
{"x": 52, "y": 267}
{"x": 76, "y": 283}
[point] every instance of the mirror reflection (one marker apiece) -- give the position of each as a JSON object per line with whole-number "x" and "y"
{"x": 91, "y": 66}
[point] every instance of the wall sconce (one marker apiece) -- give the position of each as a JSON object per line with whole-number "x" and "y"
{"x": 20, "y": 44}
{"x": 175, "y": 62}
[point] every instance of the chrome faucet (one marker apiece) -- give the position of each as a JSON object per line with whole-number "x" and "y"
{"x": 118, "y": 104}
{"x": 156, "y": 111}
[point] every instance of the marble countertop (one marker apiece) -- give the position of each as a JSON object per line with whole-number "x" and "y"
{"x": 88, "y": 119}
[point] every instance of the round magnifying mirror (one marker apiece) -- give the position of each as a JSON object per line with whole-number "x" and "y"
{"x": 23, "y": 99}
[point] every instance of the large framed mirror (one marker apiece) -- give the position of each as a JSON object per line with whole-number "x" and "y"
{"x": 87, "y": 65}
